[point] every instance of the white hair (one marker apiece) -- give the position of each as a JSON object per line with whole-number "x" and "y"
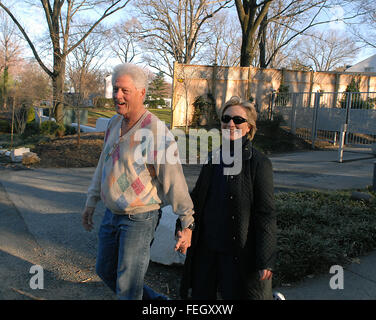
{"x": 137, "y": 74}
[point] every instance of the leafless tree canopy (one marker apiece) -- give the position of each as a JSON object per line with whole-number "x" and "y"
{"x": 62, "y": 18}
{"x": 222, "y": 47}
{"x": 123, "y": 40}
{"x": 175, "y": 30}
{"x": 326, "y": 51}
{"x": 85, "y": 61}
{"x": 364, "y": 27}
{"x": 292, "y": 18}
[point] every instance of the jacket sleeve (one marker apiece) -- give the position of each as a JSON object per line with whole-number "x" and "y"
{"x": 265, "y": 215}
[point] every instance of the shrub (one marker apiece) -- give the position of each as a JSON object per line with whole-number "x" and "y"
{"x": 154, "y": 103}
{"x": 60, "y": 131}
{"x": 31, "y": 129}
{"x": 5, "y": 126}
{"x": 319, "y": 229}
{"x": 205, "y": 112}
{"x": 102, "y": 102}
{"x": 49, "y": 127}
{"x": 69, "y": 130}
{"x": 283, "y": 96}
{"x": 30, "y": 114}
{"x": 356, "y": 97}
{"x": 275, "y": 123}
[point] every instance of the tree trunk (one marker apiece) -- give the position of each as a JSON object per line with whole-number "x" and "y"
{"x": 58, "y": 88}
{"x": 262, "y": 44}
{"x": 5, "y": 87}
{"x": 247, "y": 54}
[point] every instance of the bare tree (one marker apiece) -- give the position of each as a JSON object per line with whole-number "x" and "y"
{"x": 326, "y": 50}
{"x": 364, "y": 27}
{"x": 123, "y": 38}
{"x": 222, "y": 47}
{"x": 174, "y": 30}
{"x": 60, "y": 15}
{"x": 256, "y": 17}
{"x": 84, "y": 62}
{"x": 10, "y": 53}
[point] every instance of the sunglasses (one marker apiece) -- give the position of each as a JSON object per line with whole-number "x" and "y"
{"x": 236, "y": 119}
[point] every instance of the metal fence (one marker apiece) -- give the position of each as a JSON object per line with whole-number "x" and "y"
{"x": 324, "y": 115}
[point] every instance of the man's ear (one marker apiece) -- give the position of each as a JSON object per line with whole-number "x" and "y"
{"x": 143, "y": 93}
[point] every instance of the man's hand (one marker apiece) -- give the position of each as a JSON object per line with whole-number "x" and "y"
{"x": 265, "y": 274}
{"x": 87, "y": 218}
{"x": 183, "y": 240}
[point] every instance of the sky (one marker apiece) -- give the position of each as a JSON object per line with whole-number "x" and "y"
{"x": 32, "y": 17}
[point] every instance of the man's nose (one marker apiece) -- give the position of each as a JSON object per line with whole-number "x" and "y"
{"x": 117, "y": 93}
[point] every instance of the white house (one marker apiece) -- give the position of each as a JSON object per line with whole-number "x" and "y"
{"x": 367, "y": 65}
{"x": 108, "y": 86}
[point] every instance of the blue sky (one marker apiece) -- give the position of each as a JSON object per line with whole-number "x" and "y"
{"x": 34, "y": 22}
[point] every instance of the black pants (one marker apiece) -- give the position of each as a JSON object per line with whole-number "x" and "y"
{"x": 215, "y": 273}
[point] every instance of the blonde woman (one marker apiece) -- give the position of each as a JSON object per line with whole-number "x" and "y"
{"x": 234, "y": 241}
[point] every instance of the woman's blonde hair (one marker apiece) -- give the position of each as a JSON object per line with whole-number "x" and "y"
{"x": 249, "y": 109}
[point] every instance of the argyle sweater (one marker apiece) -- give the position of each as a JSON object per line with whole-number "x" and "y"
{"x": 140, "y": 171}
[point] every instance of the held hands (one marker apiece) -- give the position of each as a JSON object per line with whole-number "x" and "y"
{"x": 265, "y": 274}
{"x": 87, "y": 218}
{"x": 183, "y": 240}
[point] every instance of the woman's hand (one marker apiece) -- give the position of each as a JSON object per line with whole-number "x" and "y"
{"x": 265, "y": 274}
{"x": 183, "y": 240}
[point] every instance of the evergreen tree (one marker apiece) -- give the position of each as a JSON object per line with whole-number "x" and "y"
{"x": 157, "y": 91}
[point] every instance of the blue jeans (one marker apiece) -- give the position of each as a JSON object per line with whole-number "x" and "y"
{"x": 124, "y": 253}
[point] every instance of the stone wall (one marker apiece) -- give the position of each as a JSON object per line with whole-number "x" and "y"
{"x": 191, "y": 81}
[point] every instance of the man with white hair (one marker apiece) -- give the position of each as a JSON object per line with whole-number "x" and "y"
{"x": 134, "y": 190}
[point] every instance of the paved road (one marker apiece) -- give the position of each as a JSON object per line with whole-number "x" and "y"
{"x": 40, "y": 223}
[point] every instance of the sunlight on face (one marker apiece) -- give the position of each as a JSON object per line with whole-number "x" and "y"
{"x": 231, "y": 130}
{"x": 127, "y": 97}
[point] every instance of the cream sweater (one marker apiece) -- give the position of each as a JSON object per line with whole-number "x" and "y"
{"x": 140, "y": 171}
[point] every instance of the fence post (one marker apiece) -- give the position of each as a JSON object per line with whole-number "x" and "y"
{"x": 293, "y": 113}
{"x": 271, "y": 105}
{"x": 342, "y": 142}
{"x": 348, "y": 107}
{"x": 314, "y": 119}
{"x": 335, "y": 138}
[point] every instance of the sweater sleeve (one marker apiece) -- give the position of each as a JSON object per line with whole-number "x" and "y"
{"x": 94, "y": 190}
{"x": 174, "y": 186}
{"x": 93, "y": 193}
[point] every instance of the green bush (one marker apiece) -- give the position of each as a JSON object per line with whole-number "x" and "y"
{"x": 102, "y": 102}
{"x": 283, "y": 96}
{"x": 31, "y": 129}
{"x": 30, "y": 114}
{"x": 154, "y": 103}
{"x": 60, "y": 131}
{"x": 319, "y": 229}
{"x": 272, "y": 124}
{"x": 5, "y": 126}
{"x": 69, "y": 130}
{"x": 49, "y": 127}
{"x": 205, "y": 112}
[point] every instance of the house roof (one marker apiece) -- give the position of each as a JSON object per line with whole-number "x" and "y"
{"x": 367, "y": 65}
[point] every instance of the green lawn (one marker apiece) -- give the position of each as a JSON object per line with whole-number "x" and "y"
{"x": 162, "y": 114}
{"x": 93, "y": 115}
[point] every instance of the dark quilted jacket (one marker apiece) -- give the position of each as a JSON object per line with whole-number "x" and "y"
{"x": 253, "y": 227}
